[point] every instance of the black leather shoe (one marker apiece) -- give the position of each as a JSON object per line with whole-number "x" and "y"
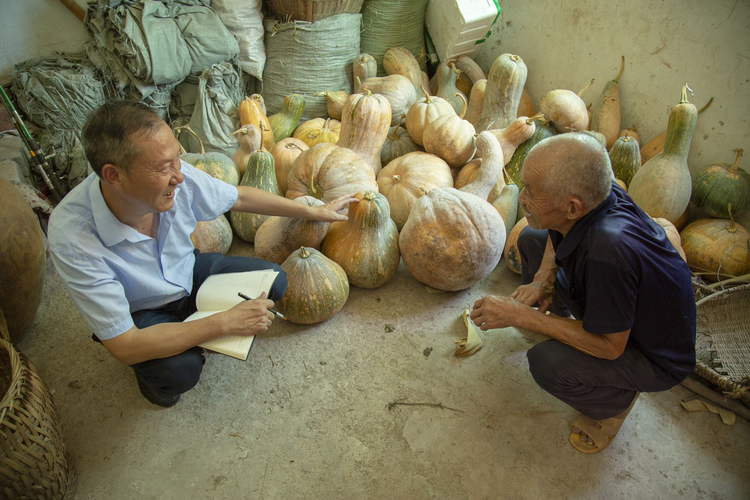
{"x": 156, "y": 396}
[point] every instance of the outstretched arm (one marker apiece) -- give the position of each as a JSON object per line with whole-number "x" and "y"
{"x": 542, "y": 289}
{"x": 257, "y": 201}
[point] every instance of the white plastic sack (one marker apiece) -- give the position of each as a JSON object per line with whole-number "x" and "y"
{"x": 245, "y": 20}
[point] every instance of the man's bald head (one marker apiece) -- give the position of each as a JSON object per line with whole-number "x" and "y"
{"x": 573, "y": 164}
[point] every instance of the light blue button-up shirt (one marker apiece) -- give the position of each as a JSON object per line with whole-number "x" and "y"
{"x": 112, "y": 270}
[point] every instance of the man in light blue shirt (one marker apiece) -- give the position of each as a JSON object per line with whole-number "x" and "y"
{"x": 121, "y": 242}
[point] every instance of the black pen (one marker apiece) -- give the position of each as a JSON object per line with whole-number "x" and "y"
{"x": 277, "y": 313}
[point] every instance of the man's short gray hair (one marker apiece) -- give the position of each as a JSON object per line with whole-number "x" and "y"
{"x": 579, "y": 167}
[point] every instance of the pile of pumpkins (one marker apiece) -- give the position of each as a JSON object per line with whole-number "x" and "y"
{"x": 435, "y": 165}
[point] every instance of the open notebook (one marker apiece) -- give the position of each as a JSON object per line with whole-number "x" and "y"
{"x": 219, "y": 293}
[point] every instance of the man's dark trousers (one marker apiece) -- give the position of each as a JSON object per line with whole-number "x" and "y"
{"x": 180, "y": 373}
{"x": 598, "y": 388}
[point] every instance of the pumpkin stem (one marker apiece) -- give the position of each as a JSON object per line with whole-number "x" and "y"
{"x": 622, "y": 68}
{"x": 368, "y": 195}
{"x": 427, "y": 97}
{"x": 463, "y": 106}
{"x": 736, "y": 165}
{"x": 584, "y": 89}
{"x": 732, "y": 227}
{"x": 359, "y": 83}
{"x": 315, "y": 191}
{"x": 396, "y": 178}
{"x": 685, "y": 88}
{"x": 177, "y": 131}
{"x": 291, "y": 145}
{"x": 515, "y": 58}
{"x": 200, "y": 143}
{"x": 326, "y": 124}
{"x": 455, "y": 69}
{"x": 262, "y": 129}
{"x": 704, "y": 107}
{"x": 537, "y": 116}
{"x": 304, "y": 253}
{"x": 394, "y": 135}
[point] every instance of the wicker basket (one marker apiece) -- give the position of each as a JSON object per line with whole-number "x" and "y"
{"x": 313, "y": 10}
{"x": 722, "y": 343}
{"x": 33, "y": 460}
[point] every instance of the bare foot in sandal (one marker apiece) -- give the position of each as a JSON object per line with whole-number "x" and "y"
{"x": 592, "y": 436}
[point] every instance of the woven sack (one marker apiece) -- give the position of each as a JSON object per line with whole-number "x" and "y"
{"x": 313, "y": 10}
{"x": 245, "y": 20}
{"x": 33, "y": 459}
{"x": 305, "y": 58}
{"x": 393, "y": 23}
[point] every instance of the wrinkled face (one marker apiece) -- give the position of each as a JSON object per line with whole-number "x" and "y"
{"x": 151, "y": 179}
{"x": 543, "y": 209}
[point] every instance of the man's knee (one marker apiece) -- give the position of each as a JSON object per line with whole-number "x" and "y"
{"x": 279, "y": 285}
{"x": 532, "y": 241}
{"x": 549, "y": 362}
{"x": 175, "y": 374}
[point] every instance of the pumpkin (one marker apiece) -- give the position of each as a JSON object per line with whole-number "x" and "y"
{"x": 252, "y": 111}
{"x": 260, "y": 174}
{"x": 717, "y": 248}
{"x": 605, "y": 113}
{"x": 364, "y": 126}
{"x": 317, "y": 289}
{"x": 23, "y": 264}
{"x": 278, "y": 237}
{"x": 285, "y": 121}
{"x": 656, "y": 145}
{"x": 284, "y": 153}
{"x": 446, "y": 78}
{"x": 471, "y": 69}
{"x": 453, "y": 238}
{"x": 566, "y": 110}
{"x": 511, "y": 253}
{"x": 215, "y": 164}
{"x": 526, "y": 106}
{"x": 364, "y": 67}
{"x": 423, "y": 112}
{"x": 631, "y": 132}
{"x": 504, "y": 89}
{"x": 397, "y": 143}
{"x": 515, "y": 134}
{"x": 476, "y": 101}
{"x": 212, "y": 235}
{"x": 718, "y": 186}
{"x": 365, "y": 245}
{"x": 622, "y": 184}
{"x": 673, "y": 235}
{"x": 334, "y": 102}
{"x": 625, "y": 157}
{"x": 598, "y": 136}
{"x": 397, "y": 89}
{"x": 249, "y": 139}
{"x": 326, "y": 171}
{"x": 662, "y": 186}
{"x": 400, "y": 61}
{"x": 318, "y": 130}
{"x": 513, "y": 168}
{"x": 451, "y": 138}
{"x": 407, "y": 178}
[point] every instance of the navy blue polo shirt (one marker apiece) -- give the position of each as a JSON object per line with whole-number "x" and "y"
{"x": 625, "y": 274}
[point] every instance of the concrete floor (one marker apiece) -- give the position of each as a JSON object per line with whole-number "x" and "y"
{"x": 306, "y": 415}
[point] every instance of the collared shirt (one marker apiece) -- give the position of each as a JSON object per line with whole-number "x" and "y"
{"x": 625, "y": 274}
{"x": 112, "y": 270}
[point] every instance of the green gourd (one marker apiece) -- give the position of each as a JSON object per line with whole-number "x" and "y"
{"x": 285, "y": 122}
{"x": 598, "y": 136}
{"x": 718, "y": 186}
{"x": 260, "y": 174}
{"x": 625, "y": 157}
{"x": 397, "y": 144}
{"x": 543, "y": 131}
{"x": 446, "y": 79}
{"x": 505, "y": 83}
{"x": 662, "y": 186}
{"x": 215, "y": 164}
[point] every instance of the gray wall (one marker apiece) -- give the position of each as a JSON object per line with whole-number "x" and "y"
{"x": 666, "y": 43}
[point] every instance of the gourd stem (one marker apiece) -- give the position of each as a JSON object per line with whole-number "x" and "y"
{"x": 359, "y": 82}
{"x": 303, "y": 253}
{"x": 584, "y": 89}
{"x": 177, "y": 131}
{"x": 427, "y": 97}
{"x": 684, "y": 99}
{"x": 706, "y": 106}
{"x": 732, "y": 227}
{"x": 515, "y": 58}
{"x": 200, "y": 143}
{"x": 326, "y": 124}
{"x": 736, "y": 165}
{"x": 262, "y": 129}
{"x": 369, "y": 196}
{"x": 291, "y": 145}
{"x": 394, "y": 135}
{"x": 396, "y": 178}
{"x": 622, "y": 68}
{"x": 464, "y": 105}
{"x": 537, "y": 116}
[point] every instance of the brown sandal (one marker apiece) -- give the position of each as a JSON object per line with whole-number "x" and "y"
{"x": 601, "y": 432}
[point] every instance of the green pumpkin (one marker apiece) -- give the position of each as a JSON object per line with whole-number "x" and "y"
{"x": 513, "y": 168}
{"x": 397, "y": 144}
{"x": 215, "y": 164}
{"x": 718, "y": 187}
{"x": 285, "y": 122}
{"x": 318, "y": 287}
{"x": 260, "y": 174}
{"x": 625, "y": 157}
{"x": 598, "y": 136}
